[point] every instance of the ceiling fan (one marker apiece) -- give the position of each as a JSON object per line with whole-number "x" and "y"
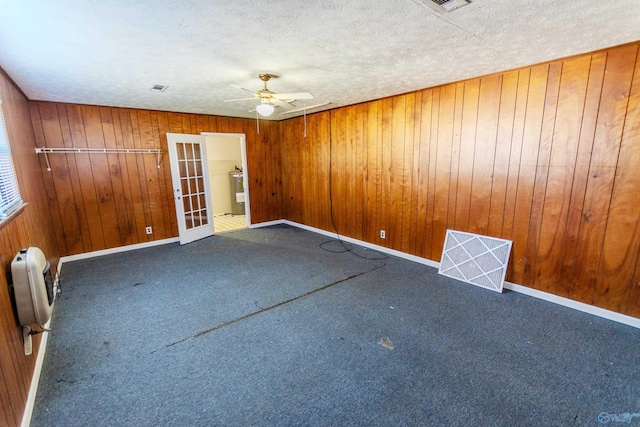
{"x": 269, "y": 100}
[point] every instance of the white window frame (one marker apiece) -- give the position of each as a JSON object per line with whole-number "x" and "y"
{"x": 10, "y": 199}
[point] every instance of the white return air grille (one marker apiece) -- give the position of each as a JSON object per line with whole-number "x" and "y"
{"x": 443, "y": 6}
{"x": 475, "y": 259}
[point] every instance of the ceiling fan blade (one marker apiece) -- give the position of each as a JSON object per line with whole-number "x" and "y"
{"x": 282, "y": 104}
{"x": 238, "y": 99}
{"x": 246, "y": 90}
{"x": 304, "y": 108}
{"x": 298, "y": 95}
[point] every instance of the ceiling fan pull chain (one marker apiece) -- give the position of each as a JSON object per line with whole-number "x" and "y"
{"x": 257, "y": 122}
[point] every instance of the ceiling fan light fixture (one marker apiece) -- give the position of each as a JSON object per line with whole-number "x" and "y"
{"x": 265, "y": 109}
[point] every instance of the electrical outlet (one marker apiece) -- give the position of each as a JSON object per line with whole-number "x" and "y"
{"x": 149, "y": 230}
{"x": 382, "y": 234}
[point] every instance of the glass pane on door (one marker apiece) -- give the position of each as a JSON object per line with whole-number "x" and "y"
{"x": 191, "y": 180}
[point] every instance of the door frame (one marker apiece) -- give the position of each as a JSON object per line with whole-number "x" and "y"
{"x": 245, "y": 171}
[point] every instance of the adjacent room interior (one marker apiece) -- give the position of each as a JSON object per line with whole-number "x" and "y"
{"x": 383, "y": 123}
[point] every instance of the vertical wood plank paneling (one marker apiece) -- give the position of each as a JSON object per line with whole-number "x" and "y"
{"x": 85, "y": 172}
{"x": 581, "y": 173}
{"x": 622, "y": 234}
{"x": 137, "y": 136}
{"x": 155, "y": 188}
{"x": 503, "y": 153}
{"x": 373, "y": 176}
{"x": 386, "y": 146}
{"x": 102, "y": 178}
{"x": 201, "y": 124}
{"x": 340, "y": 171}
{"x": 126, "y": 179}
{"x": 515, "y": 156}
{"x": 49, "y": 180}
{"x": 431, "y": 180}
{"x": 422, "y": 236}
{"x": 455, "y": 156}
{"x": 442, "y": 165}
{"x": 168, "y": 205}
{"x": 407, "y": 168}
{"x": 484, "y": 159}
{"x": 274, "y": 187}
{"x": 266, "y": 152}
{"x": 571, "y": 100}
{"x": 288, "y": 158}
{"x": 312, "y": 164}
{"x": 252, "y": 163}
{"x": 321, "y": 170}
{"x": 136, "y": 185}
{"x": 61, "y": 175}
{"x": 258, "y": 181}
{"x": 186, "y": 123}
{"x": 76, "y": 182}
{"x": 277, "y": 190}
{"x": 164, "y": 184}
{"x": 6, "y": 411}
{"x": 349, "y": 169}
{"x": 396, "y": 172}
{"x": 287, "y": 174}
{"x": 415, "y": 175}
{"x": 359, "y": 167}
{"x": 527, "y": 170}
{"x": 117, "y": 181}
{"x": 147, "y": 163}
{"x": 303, "y": 161}
{"x": 541, "y": 171}
{"x": 467, "y": 150}
{"x": 295, "y": 183}
{"x": 604, "y": 157}
{"x": 324, "y": 133}
{"x": 300, "y": 158}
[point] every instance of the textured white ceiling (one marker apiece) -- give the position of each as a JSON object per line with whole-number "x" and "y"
{"x": 111, "y": 52}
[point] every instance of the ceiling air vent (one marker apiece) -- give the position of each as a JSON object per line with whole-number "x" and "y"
{"x": 158, "y": 88}
{"x": 444, "y": 5}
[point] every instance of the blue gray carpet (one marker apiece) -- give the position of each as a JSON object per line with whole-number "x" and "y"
{"x": 263, "y": 327}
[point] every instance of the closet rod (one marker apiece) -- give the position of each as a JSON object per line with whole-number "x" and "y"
{"x": 74, "y": 150}
{"x": 97, "y": 150}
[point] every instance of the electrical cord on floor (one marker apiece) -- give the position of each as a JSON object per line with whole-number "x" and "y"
{"x": 346, "y": 247}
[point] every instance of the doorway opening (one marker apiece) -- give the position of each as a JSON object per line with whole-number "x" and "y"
{"x": 226, "y": 161}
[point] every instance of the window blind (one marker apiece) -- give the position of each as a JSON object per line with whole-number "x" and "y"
{"x": 10, "y": 199}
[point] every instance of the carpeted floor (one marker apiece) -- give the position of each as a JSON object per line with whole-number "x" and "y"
{"x": 262, "y": 327}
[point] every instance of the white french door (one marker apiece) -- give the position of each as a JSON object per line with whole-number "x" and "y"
{"x": 190, "y": 178}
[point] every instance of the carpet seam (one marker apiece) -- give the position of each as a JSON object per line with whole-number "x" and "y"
{"x": 255, "y": 313}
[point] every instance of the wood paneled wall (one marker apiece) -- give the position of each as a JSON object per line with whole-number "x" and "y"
{"x": 546, "y": 156}
{"x": 31, "y": 227}
{"x": 101, "y": 201}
